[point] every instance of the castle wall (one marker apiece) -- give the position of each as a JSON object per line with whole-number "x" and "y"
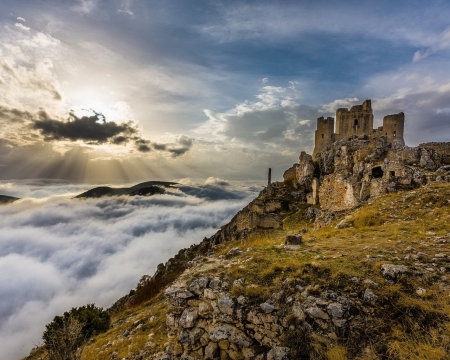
{"x": 393, "y": 126}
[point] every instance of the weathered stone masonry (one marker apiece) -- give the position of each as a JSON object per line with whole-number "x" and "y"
{"x": 357, "y": 123}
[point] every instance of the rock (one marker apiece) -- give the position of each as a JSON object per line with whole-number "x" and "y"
{"x": 335, "y": 310}
{"x": 233, "y": 252}
{"x": 391, "y": 271}
{"x": 242, "y": 300}
{"x": 342, "y": 224}
{"x": 298, "y": 311}
{"x": 215, "y": 284}
{"x": 197, "y": 286}
{"x": 278, "y": 353}
{"x": 211, "y": 351}
{"x": 224, "y": 344}
{"x": 204, "y": 309}
{"x": 190, "y": 337}
{"x": 229, "y": 332}
{"x": 370, "y": 282}
{"x": 293, "y": 240}
{"x": 226, "y": 305}
{"x": 239, "y": 282}
{"x": 178, "y": 293}
{"x": 267, "y": 307}
{"x": 248, "y": 353}
{"x": 369, "y": 296}
{"x": 188, "y": 318}
{"x": 292, "y": 247}
{"x": 316, "y": 313}
{"x": 421, "y": 292}
{"x": 235, "y": 355}
{"x": 209, "y": 294}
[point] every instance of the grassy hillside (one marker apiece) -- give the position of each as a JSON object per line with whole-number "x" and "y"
{"x": 411, "y": 318}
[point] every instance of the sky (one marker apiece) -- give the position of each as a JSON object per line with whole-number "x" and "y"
{"x": 114, "y": 91}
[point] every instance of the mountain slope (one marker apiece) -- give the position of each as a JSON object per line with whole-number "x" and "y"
{"x": 145, "y": 188}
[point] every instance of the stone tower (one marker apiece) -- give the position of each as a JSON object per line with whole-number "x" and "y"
{"x": 324, "y": 134}
{"x": 356, "y": 122}
{"x": 393, "y": 127}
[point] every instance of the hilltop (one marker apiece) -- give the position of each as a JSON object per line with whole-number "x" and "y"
{"x": 4, "y": 199}
{"x": 146, "y": 189}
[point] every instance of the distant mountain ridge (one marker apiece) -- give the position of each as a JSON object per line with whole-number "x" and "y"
{"x": 4, "y": 199}
{"x": 144, "y": 189}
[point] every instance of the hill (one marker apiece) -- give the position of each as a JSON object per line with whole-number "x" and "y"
{"x": 145, "y": 189}
{"x": 4, "y": 199}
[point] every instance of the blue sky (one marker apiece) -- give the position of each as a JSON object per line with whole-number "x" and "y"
{"x": 221, "y": 89}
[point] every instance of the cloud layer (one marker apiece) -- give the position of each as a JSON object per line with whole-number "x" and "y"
{"x": 56, "y": 253}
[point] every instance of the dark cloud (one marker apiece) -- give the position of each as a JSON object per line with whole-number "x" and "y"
{"x": 93, "y": 128}
{"x": 14, "y": 115}
{"x": 176, "y": 148}
{"x": 58, "y": 253}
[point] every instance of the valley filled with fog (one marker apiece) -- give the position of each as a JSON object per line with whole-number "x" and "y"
{"x": 57, "y": 252}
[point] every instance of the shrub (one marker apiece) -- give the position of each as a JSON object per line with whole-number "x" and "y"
{"x": 66, "y": 333}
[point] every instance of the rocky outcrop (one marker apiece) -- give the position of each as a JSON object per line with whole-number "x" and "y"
{"x": 347, "y": 173}
{"x": 211, "y": 323}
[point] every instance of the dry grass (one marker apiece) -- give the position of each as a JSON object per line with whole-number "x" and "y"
{"x": 153, "y": 318}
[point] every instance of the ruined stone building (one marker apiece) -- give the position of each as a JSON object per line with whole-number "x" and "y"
{"x": 357, "y": 123}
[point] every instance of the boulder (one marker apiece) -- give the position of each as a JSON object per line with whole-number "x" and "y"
{"x": 293, "y": 240}
{"x": 391, "y": 271}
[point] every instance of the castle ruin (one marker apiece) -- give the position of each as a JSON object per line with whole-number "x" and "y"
{"x": 357, "y": 123}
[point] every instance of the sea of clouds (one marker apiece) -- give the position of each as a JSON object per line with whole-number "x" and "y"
{"x": 57, "y": 252}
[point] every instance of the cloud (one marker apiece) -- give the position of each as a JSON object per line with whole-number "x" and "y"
{"x": 21, "y": 26}
{"x": 275, "y": 119}
{"x": 339, "y": 103}
{"x": 92, "y": 129}
{"x": 56, "y": 253}
{"x": 85, "y": 6}
{"x": 216, "y": 181}
{"x": 441, "y": 42}
{"x": 21, "y": 19}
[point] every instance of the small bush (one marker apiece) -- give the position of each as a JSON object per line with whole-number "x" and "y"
{"x": 66, "y": 333}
